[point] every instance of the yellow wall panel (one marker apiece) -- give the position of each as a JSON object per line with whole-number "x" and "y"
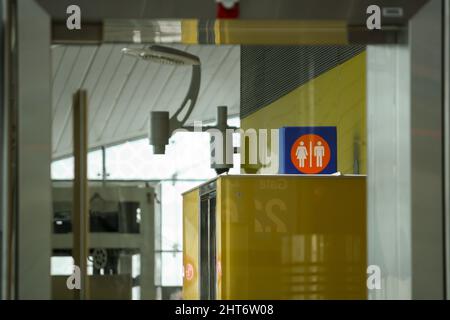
{"x": 191, "y": 214}
{"x": 293, "y": 237}
{"x": 335, "y": 98}
{"x": 283, "y": 237}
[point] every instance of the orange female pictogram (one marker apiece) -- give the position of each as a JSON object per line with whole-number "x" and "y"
{"x": 310, "y": 154}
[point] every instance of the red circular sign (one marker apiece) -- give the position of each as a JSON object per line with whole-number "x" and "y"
{"x": 189, "y": 272}
{"x": 310, "y": 154}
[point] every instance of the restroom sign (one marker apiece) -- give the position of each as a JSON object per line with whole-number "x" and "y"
{"x": 308, "y": 150}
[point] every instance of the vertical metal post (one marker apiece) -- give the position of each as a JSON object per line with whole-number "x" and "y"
{"x": 427, "y": 152}
{"x": 80, "y": 218}
{"x": 104, "y": 174}
{"x": 4, "y": 148}
{"x": 446, "y": 144}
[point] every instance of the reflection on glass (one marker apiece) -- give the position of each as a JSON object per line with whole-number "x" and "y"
{"x": 309, "y": 269}
{"x": 121, "y": 241}
{"x": 119, "y": 220}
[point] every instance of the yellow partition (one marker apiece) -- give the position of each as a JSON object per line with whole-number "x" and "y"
{"x": 191, "y": 214}
{"x": 285, "y": 237}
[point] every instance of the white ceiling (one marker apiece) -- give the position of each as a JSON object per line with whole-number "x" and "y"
{"x": 123, "y": 90}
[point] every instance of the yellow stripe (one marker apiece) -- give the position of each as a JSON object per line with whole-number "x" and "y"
{"x": 275, "y": 32}
{"x": 189, "y": 31}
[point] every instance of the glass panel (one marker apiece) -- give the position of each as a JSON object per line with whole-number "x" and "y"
{"x": 158, "y": 269}
{"x": 172, "y": 274}
{"x": 63, "y": 169}
{"x": 185, "y": 158}
{"x": 61, "y": 266}
{"x": 95, "y": 164}
{"x": 121, "y": 240}
{"x": 362, "y": 108}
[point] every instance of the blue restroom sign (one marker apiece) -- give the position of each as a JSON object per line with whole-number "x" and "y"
{"x": 308, "y": 150}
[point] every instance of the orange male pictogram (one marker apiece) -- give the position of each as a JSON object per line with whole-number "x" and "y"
{"x": 310, "y": 154}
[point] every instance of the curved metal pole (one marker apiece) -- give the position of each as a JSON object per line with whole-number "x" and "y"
{"x": 191, "y": 99}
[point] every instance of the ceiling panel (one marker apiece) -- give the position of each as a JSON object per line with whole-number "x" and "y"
{"x": 123, "y": 90}
{"x": 74, "y": 68}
